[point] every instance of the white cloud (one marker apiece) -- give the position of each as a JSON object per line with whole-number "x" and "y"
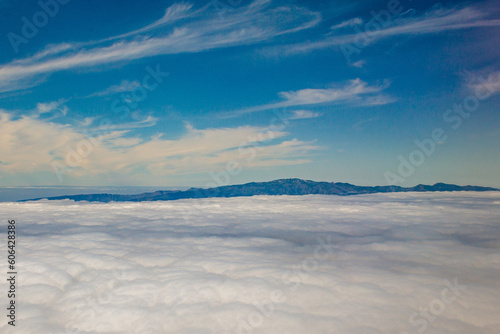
{"x": 194, "y": 31}
{"x": 355, "y": 92}
{"x": 32, "y": 145}
{"x": 124, "y": 86}
{"x": 303, "y": 114}
{"x": 47, "y": 107}
{"x": 348, "y": 23}
{"x": 354, "y": 88}
{"x": 54, "y": 106}
{"x": 359, "y": 64}
{"x": 123, "y": 268}
{"x": 484, "y": 82}
{"x": 360, "y": 125}
{"x": 434, "y": 21}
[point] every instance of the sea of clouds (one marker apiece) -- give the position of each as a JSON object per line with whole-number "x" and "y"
{"x": 386, "y": 263}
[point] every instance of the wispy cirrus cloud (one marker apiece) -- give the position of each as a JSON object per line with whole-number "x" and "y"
{"x": 433, "y": 21}
{"x": 355, "y": 92}
{"x": 303, "y": 114}
{"x": 360, "y": 125}
{"x": 193, "y": 31}
{"x": 348, "y": 23}
{"x": 359, "y": 64}
{"x": 124, "y": 86}
{"x": 354, "y": 88}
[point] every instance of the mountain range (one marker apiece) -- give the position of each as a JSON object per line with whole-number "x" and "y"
{"x": 277, "y": 187}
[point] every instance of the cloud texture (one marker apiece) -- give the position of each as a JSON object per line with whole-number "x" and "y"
{"x": 216, "y": 265}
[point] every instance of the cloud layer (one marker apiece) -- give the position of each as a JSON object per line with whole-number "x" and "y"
{"x": 360, "y": 264}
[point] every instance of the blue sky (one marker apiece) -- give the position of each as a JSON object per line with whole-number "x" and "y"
{"x": 167, "y": 93}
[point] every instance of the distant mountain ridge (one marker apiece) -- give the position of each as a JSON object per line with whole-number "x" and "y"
{"x": 276, "y": 187}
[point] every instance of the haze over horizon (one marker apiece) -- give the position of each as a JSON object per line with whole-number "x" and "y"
{"x": 184, "y": 93}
